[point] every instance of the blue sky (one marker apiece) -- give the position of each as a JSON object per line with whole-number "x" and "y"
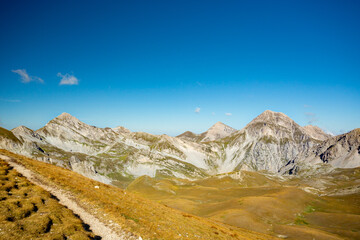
{"x": 172, "y": 66}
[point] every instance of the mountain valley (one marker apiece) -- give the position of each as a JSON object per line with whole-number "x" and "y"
{"x": 273, "y": 177}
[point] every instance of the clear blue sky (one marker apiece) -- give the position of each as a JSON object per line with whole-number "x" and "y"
{"x": 148, "y": 65}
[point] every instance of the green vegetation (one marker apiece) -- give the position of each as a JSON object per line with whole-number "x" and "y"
{"x": 268, "y": 140}
{"x": 284, "y": 141}
{"x": 309, "y": 209}
{"x": 300, "y": 217}
{"x": 300, "y": 220}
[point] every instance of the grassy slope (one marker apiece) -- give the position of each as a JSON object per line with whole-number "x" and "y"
{"x": 135, "y": 214}
{"x": 8, "y": 134}
{"x": 29, "y": 212}
{"x": 263, "y": 205}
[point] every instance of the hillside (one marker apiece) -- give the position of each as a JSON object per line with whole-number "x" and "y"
{"x": 118, "y": 156}
{"x": 217, "y": 131}
{"x": 132, "y": 213}
{"x": 320, "y": 207}
{"x": 29, "y": 212}
{"x": 268, "y": 142}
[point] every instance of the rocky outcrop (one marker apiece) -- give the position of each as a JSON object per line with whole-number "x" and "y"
{"x": 316, "y": 133}
{"x": 27, "y": 134}
{"x": 190, "y": 136}
{"x": 217, "y": 131}
{"x": 272, "y": 142}
{"x": 341, "y": 151}
{"x": 268, "y": 142}
{"x": 9, "y": 141}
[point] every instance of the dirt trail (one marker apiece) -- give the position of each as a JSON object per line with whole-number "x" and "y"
{"x": 99, "y": 228}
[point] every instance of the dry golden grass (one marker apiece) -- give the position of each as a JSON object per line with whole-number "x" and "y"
{"x": 267, "y": 206}
{"x": 135, "y": 214}
{"x": 29, "y": 212}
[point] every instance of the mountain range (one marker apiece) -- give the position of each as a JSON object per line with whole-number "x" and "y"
{"x": 271, "y": 142}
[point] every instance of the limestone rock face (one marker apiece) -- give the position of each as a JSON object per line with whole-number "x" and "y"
{"x": 9, "y": 141}
{"x": 272, "y": 142}
{"x": 217, "y": 131}
{"x": 26, "y": 134}
{"x": 316, "y": 133}
{"x": 268, "y": 142}
{"x": 341, "y": 151}
{"x": 70, "y": 134}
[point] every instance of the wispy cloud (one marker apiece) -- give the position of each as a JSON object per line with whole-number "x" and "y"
{"x": 213, "y": 113}
{"x": 197, "y": 110}
{"x": 68, "y": 79}
{"x": 228, "y": 114}
{"x": 25, "y": 77}
{"x": 10, "y": 100}
{"x": 311, "y": 117}
{"x": 307, "y": 106}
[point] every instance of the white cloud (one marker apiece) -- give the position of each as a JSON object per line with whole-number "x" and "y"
{"x": 26, "y": 78}
{"x": 68, "y": 79}
{"x": 213, "y": 113}
{"x": 307, "y": 106}
{"x": 197, "y": 110}
{"x": 228, "y": 114}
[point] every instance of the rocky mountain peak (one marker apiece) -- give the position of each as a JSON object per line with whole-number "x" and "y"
{"x": 273, "y": 117}
{"x": 269, "y": 142}
{"x": 121, "y": 129}
{"x": 21, "y": 128}
{"x": 66, "y": 119}
{"x": 66, "y": 116}
{"x": 219, "y": 127}
{"x": 187, "y": 134}
{"x": 217, "y": 131}
{"x": 25, "y": 133}
{"x": 316, "y": 132}
{"x": 270, "y": 122}
{"x": 342, "y": 151}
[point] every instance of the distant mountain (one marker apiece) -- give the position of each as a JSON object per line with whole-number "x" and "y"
{"x": 342, "y": 151}
{"x": 217, "y": 131}
{"x": 316, "y": 133}
{"x": 8, "y": 140}
{"x": 272, "y": 142}
{"x": 268, "y": 142}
